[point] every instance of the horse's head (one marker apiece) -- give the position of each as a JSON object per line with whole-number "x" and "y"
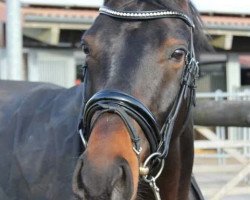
{"x": 137, "y": 64}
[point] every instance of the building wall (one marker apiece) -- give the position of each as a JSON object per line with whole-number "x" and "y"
{"x": 53, "y": 66}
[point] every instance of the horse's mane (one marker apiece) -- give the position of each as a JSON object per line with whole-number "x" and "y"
{"x": 201, "y": 41}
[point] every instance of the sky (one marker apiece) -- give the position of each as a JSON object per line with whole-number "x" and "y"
{"x": 223, "y": 6}
{"x": 215, "y": 6}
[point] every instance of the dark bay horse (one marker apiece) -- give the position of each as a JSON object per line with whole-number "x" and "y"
{"x": 137, "y": 125}
{"x": 39, "y": 144}
{"x": 133, "y": 113}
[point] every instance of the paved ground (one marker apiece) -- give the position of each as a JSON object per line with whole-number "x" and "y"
{"x": 211, "y": 182}
{"x": 238, "y": 197}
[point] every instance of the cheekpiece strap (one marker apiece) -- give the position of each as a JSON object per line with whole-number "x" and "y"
{"x": 141, "y": 15}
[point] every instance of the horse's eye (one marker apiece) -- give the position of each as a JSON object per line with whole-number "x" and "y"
{"x": 85, "y": 49}
{"x": 178, "y": 55}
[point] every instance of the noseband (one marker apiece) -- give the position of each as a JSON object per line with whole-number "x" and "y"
{"x": 128, "y": 108}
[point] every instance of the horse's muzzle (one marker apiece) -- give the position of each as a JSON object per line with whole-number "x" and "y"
{"x": 96, "y": 183}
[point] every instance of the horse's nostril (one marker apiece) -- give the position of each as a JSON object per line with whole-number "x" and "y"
{"x": 77, "y": 182}
{"x": 123, "y": 185}
{"x": 117, "y": 177}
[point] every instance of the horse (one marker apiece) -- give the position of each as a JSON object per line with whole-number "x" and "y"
{"x": 39, "y": 144}
{"x": 137, "y": 123}
{"x": 126, "y": 133}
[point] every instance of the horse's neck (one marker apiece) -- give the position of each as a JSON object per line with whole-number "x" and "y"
{"x": 144, "y": 191}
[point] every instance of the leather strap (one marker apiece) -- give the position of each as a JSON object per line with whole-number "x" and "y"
{"x": 124, "y": 105}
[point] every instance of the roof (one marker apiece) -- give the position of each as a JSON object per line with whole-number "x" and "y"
{"x": 63, "y": 3}
{"x": 33, "y": 13}
{"x": 2, "y": 12}
{"x": 227, "y": 22}
{"x": 57, "y": 12}
{"x": 51, "y": 12}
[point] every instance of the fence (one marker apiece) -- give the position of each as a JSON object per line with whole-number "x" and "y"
{"x": 3, "y": 64}
{"x": 222, "y": 159}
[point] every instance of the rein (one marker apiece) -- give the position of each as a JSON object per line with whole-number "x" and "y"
{"x": 128, "y": 107}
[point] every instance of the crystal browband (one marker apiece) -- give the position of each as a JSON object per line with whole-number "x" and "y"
{"x": 146, "y": 14}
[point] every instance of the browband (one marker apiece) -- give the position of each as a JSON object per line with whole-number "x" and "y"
{"x": 141, "y": 15}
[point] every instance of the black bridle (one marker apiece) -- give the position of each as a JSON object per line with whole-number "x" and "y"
{"x": 128, "y": 107}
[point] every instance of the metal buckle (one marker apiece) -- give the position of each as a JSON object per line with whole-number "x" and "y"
{"x": 137, "y": 151}
{"x": 151, "y": 180}
{"x": 85, "y": 144}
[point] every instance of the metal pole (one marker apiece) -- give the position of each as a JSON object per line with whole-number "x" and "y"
{"x": 14, "y": 42}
